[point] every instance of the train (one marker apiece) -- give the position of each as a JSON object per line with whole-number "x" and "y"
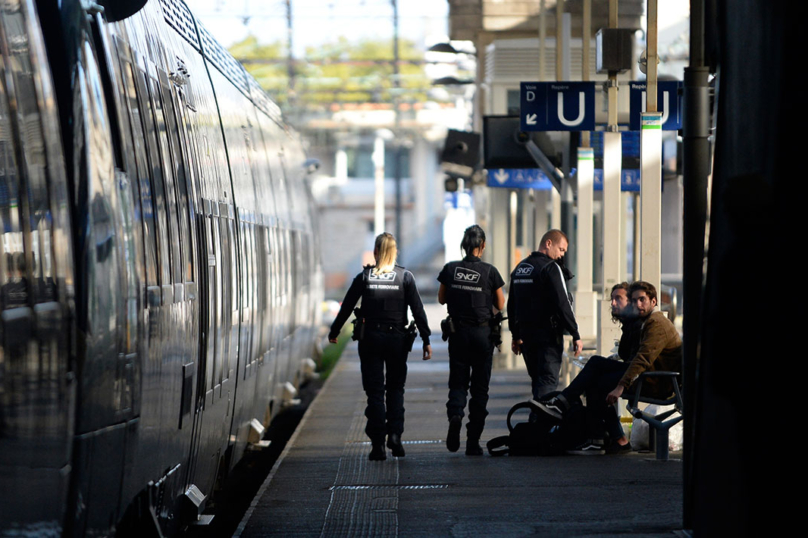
{"x": 160, "y": 275}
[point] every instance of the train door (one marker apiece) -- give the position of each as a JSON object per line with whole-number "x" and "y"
{"x": 158, "y": 446}
{"x": 213, "y": 405}
{"x": 108, "y": 275}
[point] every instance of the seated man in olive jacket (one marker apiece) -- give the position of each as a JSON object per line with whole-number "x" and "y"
{"x": 658, "y": 348}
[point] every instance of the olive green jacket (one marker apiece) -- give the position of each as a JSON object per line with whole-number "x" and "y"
{"x": 660, "y": 349}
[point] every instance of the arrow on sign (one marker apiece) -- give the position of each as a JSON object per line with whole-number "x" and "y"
{"x": 530, "y": 119}
{"x": 501, "y": 176}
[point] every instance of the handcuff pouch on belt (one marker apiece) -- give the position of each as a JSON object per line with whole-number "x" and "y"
{"x": 496, "y": 329}
{"x": 447, "y": 327}
{"x": 409, "y": 337}
{"x": 359, "y": 325}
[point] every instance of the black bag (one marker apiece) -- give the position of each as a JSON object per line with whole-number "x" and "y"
{"x": 578, "y": 421}
{"x": 539, "y": 438}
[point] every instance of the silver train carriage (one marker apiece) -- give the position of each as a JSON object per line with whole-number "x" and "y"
{"x": 160, "y": 276}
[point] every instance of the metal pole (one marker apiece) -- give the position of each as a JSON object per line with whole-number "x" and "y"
{"x": 652, "y": 57}
{"x": 397, "y": 129}
{"x": 290, "y": 59}
{"x": 378, "y": 199}
{"x": 585, "y": 299}
{"x": 555, "y": 196}
{"x": 567, "y": 195}
{"x": 651, "y": 164}
{"x": 696, "y": 163}
{"x": 542, "y": 42}
{"x": 612, "y": 214}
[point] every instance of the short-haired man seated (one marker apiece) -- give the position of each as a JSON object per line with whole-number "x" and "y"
{"x": 652, "y": 343}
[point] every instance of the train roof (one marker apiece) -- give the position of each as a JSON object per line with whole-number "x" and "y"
{"x": 179, "y": 17}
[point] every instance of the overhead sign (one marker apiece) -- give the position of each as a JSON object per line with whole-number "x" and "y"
{"x": 669, "y": 102}
{"x": 557, "y": 106}
{"x": 629, "y": 180}
{"x": 519, "y": 178}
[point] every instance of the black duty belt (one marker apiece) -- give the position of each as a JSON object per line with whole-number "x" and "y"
{"x": 384, "y": 327}
{"x": 465, "y": 323}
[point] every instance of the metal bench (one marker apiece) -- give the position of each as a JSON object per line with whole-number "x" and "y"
{"x": 661, "y": 423}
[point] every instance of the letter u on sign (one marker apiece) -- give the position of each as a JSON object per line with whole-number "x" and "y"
{"x": 581, "y": 110}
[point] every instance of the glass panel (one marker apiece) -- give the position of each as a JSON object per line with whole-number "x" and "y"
{"x": 168, "y": 177}
{"x": 156, "y": 176}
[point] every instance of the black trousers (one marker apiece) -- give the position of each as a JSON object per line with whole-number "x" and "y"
{"x": 380, "y": 349}
{"x": 543, "y": 361}
{"x": 470, "y": 358}
{"x": 599, "y": 377}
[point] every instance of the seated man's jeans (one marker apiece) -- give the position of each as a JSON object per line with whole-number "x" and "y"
{"x": 599, "y": 377}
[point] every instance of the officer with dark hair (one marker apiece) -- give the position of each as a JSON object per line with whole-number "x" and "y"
{"x": 470, "y": 289}
{"x": 540, "y": 310}
{"x": 386, "y": 290}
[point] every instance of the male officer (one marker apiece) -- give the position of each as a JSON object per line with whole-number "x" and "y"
{"x": 658, "y": 348}
{"x": 540, "y": 309}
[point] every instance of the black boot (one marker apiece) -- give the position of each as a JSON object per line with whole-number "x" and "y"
{"x": 377, "y": 453}
{"x": 394, "y": 444}
{"x": 473, "y": 447}
{"x": 453, "y": 437}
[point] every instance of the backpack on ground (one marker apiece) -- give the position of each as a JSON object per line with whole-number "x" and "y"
{"x": 541, "y": 437}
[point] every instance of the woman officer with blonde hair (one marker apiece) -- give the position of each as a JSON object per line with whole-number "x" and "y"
{"x": 386, "y": 290}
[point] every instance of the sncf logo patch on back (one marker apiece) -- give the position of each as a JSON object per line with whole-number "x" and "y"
{"x": 466, "y": 275}
{"x": 383, "y": 277}
{"x": 524, "y": 269}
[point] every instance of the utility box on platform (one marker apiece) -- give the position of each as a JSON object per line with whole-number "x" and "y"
{"x": 614, "y": 48}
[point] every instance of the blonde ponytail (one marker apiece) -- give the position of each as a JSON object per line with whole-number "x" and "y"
{"x": 387, "y": 251}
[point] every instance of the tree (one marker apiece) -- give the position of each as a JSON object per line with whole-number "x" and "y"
{"x": 337, "y": 72}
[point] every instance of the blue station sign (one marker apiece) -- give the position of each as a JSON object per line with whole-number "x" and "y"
{"x": 519, "y": 178}
{"x": 669, "y": 102}
{"x": 557, "y": 106}
{"x": 629, "y": 180}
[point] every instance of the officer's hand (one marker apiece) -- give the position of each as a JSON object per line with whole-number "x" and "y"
{"x": 332, "y": 340}
{"x": 427, "y": 352}
{"x": 577, "y": 347}
{"x": 612, "y": 397}
{"x": 516, "y": 346}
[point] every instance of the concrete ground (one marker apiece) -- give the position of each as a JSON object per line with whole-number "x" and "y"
{"x": 324, "y": 484}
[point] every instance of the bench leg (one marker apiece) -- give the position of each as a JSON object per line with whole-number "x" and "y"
{"x": 661, "y": 441}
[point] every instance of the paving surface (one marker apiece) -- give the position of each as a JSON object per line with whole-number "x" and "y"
{"x": 324, "y": 484}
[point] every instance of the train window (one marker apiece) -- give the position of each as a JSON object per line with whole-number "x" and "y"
{"x": 234, "y": 280}
{"x": 279, "y": 187}
{"x": 138, "y": 138}
{"x": 168, "y": 178}
{"x": 225, "y": 293}
{"x": 260, "y": 298}
{"x": 181, "y": 176}
{"x": 39, "y": 260}
{"x": 14, "y": 284}
{"x": 156, "y": 176}
{"x": 213, "y": 303}
{"x": 188, "y": 139}
{"x": 291, "y": 187}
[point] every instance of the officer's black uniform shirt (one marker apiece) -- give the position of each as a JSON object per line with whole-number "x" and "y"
{"x": 538, "y": 301}
{"x": 470, "y": 287}
{"x": 385, "y": 298}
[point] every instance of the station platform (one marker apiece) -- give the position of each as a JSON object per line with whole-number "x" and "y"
{"x": 324, "y": 484}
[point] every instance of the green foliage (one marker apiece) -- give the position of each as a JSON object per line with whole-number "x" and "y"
{"x": 333, "y": 352}
{"x": 337, "y": 72}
